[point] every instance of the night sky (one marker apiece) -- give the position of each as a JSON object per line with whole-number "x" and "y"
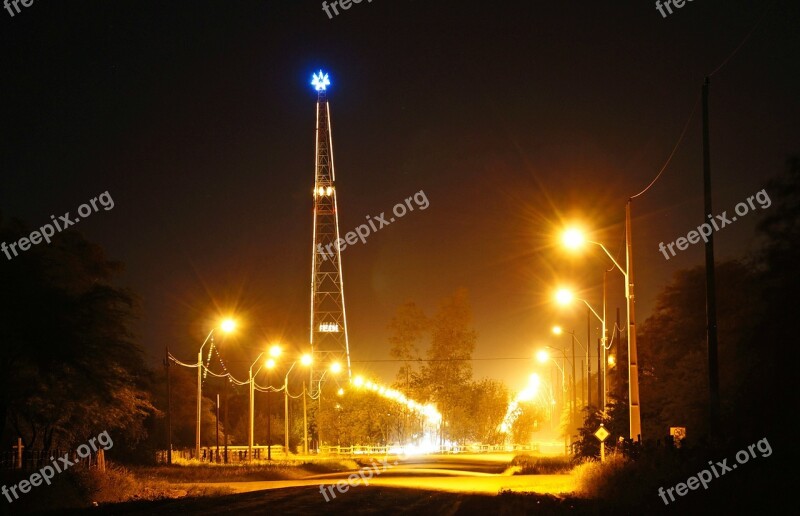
{"x": 513, "y": 118}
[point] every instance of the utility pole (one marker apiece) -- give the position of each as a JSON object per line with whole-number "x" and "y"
{"x": 600, "y": 394}
{"x": 269, "y": 418}
{"x": 711, "y": 289}
{"x": 216, "y": 459}
{"x": 574, "y": 393}
{"x": 169, "y": 407}
{"x": 305, "y": 421}
{"x": 588, "y": 356}
{"x": 633, "y": 361}
{"x": 225, "y": 426}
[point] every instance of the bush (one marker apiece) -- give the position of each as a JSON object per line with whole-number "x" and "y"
{"x": 530, "y": 465}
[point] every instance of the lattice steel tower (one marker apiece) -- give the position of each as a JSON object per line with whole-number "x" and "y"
{"x": 329, "y": 342}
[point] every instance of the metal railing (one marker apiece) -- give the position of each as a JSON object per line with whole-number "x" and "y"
{"x": 239, "y": 454}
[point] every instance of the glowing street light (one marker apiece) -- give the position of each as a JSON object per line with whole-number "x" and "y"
{"x": 227, "y": 326}
{"x": 573, "y": 238}
{"x": 269, "y": 364}
{"x": 564, "y": 296}
{"x": 542, "y": 356}
{"x": 305, "y": 360}
{"x": 557, "y": 330}
{"x": 275, "y": 351}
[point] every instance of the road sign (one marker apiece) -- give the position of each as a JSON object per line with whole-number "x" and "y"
{"x": 602, "y": 433}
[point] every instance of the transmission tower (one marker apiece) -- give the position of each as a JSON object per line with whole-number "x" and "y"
{"x": 329, "y": 342}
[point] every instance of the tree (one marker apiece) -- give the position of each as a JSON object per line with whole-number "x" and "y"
{"x": 490, "y": 401}
{"x": 445, "y": 377}
{"x": 359, "y": 417}
{"x": 673, "y": 352}
{"x": 407, "y": 329}
{"x": 70, "y": 367}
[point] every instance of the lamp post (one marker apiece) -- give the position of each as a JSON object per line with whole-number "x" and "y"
{"x": 304, "y": 360}
{"x": 557, "y": 330}
{"x": 543, "y": 356}
{"x": 334, "y": 368}
{"x": 564, "y": 297}
{"x": 574, "y": 238}
{"x": 228, "y": 325}
{"x": 269, "y": 364}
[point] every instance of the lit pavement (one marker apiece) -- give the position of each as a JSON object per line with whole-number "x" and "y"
{"x": 479, "y": 474}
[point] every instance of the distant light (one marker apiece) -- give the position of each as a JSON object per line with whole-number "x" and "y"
{"x": 321, "y": 81}
{"x": 270, "y": 363}
{"x": 573, "y": 238}
{"x": 535, "y": 380}
{"x": 542, "y": 356}
{"x": 275, "y": 351}
{"x": 358, "y": 381}
{"x": 563, "y": 296}
{"x": 228, "y": 325}
{"x": 612, "y": 361}
{"x": 336, "y": 368}
{"x": 340, "y": 392}
{"x": 305, "y": 360}
{"x": 557, "y": 330}
{"x": 329, "y": 190}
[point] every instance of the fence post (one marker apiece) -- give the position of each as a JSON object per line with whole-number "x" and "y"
{"x": 19, "y": 452}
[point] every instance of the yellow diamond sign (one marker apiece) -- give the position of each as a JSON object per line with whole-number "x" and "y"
{"x": 602, "y": 433}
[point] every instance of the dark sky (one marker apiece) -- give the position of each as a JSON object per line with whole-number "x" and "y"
{"x": 198, "y": 118}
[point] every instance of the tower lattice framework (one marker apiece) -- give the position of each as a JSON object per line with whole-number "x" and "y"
{"x": 329, "y": 341}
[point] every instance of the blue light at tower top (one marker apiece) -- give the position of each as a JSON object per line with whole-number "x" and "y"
{"x": 320, "y": 81}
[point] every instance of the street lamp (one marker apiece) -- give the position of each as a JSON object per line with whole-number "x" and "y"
{"x": 564, "y": 296}
{"x": 543, "y": 356}
{"x": 573, "y": 238}
{"x": 269, "y": 364}
{"x": 304, "y": 360}
{"x": 334, "y": 368}
{"x": 557, "y": 330}
{"x": 227, "y": 326}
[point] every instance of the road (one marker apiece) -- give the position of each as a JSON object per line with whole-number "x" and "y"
{"x": 446, "y": 484}
{"x": 485, "y": 474}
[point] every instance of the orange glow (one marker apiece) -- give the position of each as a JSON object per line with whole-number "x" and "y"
{"x": 573, "y": 238}
{"x": 228, "y": 325}
{"x": 542, "y": 356}
{"x": 564, "y": 296}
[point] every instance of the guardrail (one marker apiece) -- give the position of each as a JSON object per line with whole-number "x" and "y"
{"x": 237, "y": 454}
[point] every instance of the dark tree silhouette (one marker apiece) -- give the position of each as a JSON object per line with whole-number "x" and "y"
{"x": 70, "y": 368}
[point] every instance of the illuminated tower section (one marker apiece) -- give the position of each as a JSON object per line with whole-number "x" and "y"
{"x": 329, "y": 343}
